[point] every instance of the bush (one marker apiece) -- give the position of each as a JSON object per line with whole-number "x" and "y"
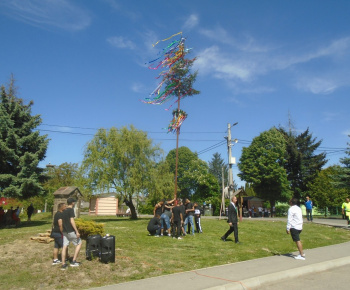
{"x": 88, "y": 228}
{"x": 282, "y": 210}
{"x": 146, "y": 208}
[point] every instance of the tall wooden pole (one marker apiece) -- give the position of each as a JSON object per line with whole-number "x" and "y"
{"x": 177, "y": 149}
{"x": 222, "y": 207}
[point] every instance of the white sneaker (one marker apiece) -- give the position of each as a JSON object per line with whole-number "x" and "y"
{"x": 179, "y": 238}
{"x": 299, "y": 257}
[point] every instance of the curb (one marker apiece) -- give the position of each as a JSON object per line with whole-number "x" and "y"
{"x": 287, "y": 274}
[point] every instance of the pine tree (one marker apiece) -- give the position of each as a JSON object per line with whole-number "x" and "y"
{"x": 21, "y": 147}
{"x": 215, "y": 167}
{"x": 343, "y": 174}
{"x": 302, "y": 165}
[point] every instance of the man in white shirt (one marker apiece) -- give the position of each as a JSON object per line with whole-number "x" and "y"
{"x": 295, "y": 226}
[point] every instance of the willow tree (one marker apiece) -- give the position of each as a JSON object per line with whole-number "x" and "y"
{"x": 121, "y": 160}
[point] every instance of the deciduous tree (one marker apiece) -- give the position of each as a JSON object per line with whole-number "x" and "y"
{"x": 262, "y": 165}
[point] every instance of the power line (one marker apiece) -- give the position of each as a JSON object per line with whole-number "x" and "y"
{"x": 326, "y": 150}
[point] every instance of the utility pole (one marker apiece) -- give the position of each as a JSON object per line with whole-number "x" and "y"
{"x": 231, "y": 160}
{"x": 222, "y": 207}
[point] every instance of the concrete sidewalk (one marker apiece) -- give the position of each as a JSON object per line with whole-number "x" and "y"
{"x": 250, "y": 274}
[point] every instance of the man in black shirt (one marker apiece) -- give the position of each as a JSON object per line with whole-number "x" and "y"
{"x": 70, "y": 234}
{"x": 177, "y": 220}
{"x": 57, "y": 233}
{"x": 154, "y": 226}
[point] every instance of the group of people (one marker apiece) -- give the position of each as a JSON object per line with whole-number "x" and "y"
{"x": 10, "y": 217}
{"x": 178, "y": 215}
{"x": 175, "y": 218}
{"x": 64, "y": 232}
{"x": 259, "y": 212}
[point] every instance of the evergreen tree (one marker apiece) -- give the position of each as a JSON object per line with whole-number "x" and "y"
{"x": 215, "y": 167}
{"x": 302, "y": 165}
{"x": 21, "y": 147}
{"x": 342, "y": 178}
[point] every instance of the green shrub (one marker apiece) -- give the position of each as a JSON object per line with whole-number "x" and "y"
{"x": 282, "y": 209}
{"x": 88, "y": 228}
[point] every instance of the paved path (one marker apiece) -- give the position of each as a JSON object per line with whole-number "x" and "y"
{"x": 253, "y": 274}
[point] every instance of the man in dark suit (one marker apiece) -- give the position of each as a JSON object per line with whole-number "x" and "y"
{"x": 232, "y": 220}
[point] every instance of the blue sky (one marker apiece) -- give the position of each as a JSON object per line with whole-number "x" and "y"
{"x": 259, "y": 62}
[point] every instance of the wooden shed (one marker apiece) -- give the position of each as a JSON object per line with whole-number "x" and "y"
{"x": 104, "y": 204}
{"x": 63, "y": 193}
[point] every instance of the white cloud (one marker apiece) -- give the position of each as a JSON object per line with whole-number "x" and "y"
{"x": 120, "y": 42}
{"x": 241, "y": 60}
{"x": 191, "y": 22}
{"x": 138, "y": 88}
{"x": 212, "y": 60}
{"x": 61, "y": 14}
{"x": 328, "y": 116}
{"x": 317, "y": 85}
{"x": 245, "y": 44}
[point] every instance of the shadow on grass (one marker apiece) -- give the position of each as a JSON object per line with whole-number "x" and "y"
{"x": 27, "y": 224}
{"x": 105, "y": 220}
{"x": 34, "y": 224}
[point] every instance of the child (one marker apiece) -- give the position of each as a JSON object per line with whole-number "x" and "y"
{"x": 197, "y": 218}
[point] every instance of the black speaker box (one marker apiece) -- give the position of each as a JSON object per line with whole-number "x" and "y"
{"x": 93, "y": 247}
{"x": 108, "y": 249}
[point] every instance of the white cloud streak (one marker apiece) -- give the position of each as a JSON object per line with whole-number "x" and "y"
{"x": 60, "y": 14}
{"x": 245, "y": 60}
{"x": 121, "y": 42}
{"x": 191, "y": 22}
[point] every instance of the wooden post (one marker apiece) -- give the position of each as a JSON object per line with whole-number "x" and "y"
{"x": 177, "y": 150}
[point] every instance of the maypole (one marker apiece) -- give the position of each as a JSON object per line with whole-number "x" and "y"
{"x": 176, "y": 83}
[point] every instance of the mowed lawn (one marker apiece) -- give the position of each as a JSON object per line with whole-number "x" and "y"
{"x": 27, "y": 264}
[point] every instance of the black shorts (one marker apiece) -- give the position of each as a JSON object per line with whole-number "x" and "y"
{"x": 58, "y": 240}
{"x": 295, "y": 234}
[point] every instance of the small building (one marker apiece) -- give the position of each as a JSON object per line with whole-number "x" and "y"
{"x": 108, "y": 204}
{"x": 104, "y": 204}
{"x": 62, "y": 194}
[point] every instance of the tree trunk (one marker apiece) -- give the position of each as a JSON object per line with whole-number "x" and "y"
{"x": 128, "y": 202}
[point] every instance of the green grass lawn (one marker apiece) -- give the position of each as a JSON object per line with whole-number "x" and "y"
{"x": 27, "y": 264}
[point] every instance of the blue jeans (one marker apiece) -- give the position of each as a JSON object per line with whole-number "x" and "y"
{"x": 164, "y": 219}
{"x": 189, "y": 219}
{"x": 309, "y": 214}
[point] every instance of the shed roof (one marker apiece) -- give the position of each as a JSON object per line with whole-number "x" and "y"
{"x": 67, "y": 191}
